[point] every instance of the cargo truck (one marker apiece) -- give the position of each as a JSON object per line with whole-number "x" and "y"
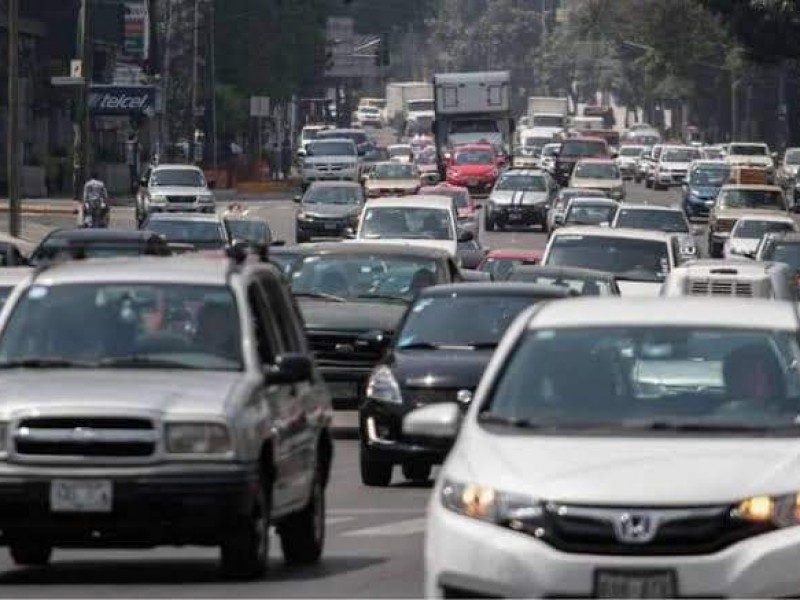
{"x": 547, "y": 116}
{"x": 398, "y": 96}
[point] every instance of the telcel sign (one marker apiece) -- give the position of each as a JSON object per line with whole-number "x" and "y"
{"x": 118, "y": 100}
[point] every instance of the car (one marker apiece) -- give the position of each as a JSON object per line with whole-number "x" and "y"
{"x": 402, "y": 153}
{"x": 575, "y": 149}
{"x": 500, "y": 263}
{"x": 520, "y": 197}
{"x": 392, "y": 179}
{"x": 732, "y": 277}
{"x": 196, "y": 231}
{"x": 368, "y": 116}
{"x": 640, "y": 260}
{"x": 618, "y": 448}
{"x": 588, "y": 211}
{"x": 599, "y": 174}
{"x": 442, "y": 346}
{"x": 429, "y": 221}
{"x": 787, "y": 171}
{"x": 750, "y": 154}
{"x": 702, "y": 185}
{"x": 307, "y": 134}
{"x": 627, "y": 158}
{"x": 253, "y": 231}
{"x": 465, "y": 205}
{"x": 547, "y": 159}
{"x": 585, "y": 282}
{"x": 173, "y": 188}
{"x": 748, "y": 231}
{"x": 328, "y": 209}
{"x": 734, "y": 201}
{"x": 358, "y": 136}
{"x": 653, "y": 217}
{"x": 161, "y": 401}
{"x": 426, "y": 162}
{"x": 352, "y": 296}
{"x": 562, "y": 198}
{"x": 473, "y": 166}
{"x": 650, "y": 164}
{"x": 643, "y": 165}
{"x": 72, "y": 244}
{"x": 330, "y": 159}
{"x": 10, "y": 277}
{"x": 673, "y": 166}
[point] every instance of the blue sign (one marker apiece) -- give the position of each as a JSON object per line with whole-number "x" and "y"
{"x": 106, "y": 100}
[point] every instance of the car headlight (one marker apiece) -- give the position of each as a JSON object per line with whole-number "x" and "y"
{"x": 780, "y": 511}
{"x": 158, "y": 199}
{"x": 198, "y": 438}
{"x": 485, "y": 503}
{"x": 382, "y": 386}
{"x": 304, "y": 216}
{"x": 206, "y": 199}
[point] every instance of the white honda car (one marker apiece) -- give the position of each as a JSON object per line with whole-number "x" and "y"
{"x": 625, "y": 448}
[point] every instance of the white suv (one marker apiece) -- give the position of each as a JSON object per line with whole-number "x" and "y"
{"x": 623, "y": 448}
{"x": 330, "y": 160}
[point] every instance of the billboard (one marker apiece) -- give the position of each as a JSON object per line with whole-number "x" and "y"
{"x": 136, "y": 28}
{"x": 107, "y": 100}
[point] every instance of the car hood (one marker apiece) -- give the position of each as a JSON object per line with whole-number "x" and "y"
{"x": 154, "y": 391}
{"x": 179, "y": 190}
{"x": 460, "y": 369}
{"x": 330, "y": 210}
{"x": 645, "y": 289}
{"x": 598, "y": 184}
{"x": 350, "y": 316}
{"x": 633, "y": 471}
{"x": 325, "y": 160}
{"x": 392, "y": 183}
{"x": 519, "y": 197}
{"x": 449, "y": 245}
{"x": 472, "y": 170}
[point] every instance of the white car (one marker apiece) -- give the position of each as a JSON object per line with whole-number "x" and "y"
{"x": 748, "y": 231}
{"x": 623, "y": 448}
{"x": 430, "y": 221}
{"x": 640, "y": 260}
{"x": 331, "y": 160}
{"x": 749, "y": 155}
{"x": 403, "y": 153}
{"x": 628, "y": 159}
{"x": 368, "y": 116}
{"x": 667, "y": 219}
{"x": 598, "y": 174}
{"x": 673, "y": 165}
{"x": 307, "y": 134}
{"x": 173, "y": 188}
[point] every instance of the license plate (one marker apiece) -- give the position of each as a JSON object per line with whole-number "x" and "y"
{"x": 515, "y": 216}
{"x": 635, "y": 584}
{"x": 472, "y": 182}
{"x": 81, "y": 495}
{"x": 343, "y": 390}
{"x": 330, "y": 226}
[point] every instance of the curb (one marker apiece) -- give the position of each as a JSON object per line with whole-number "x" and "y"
{"x": 265, "y": 187}
{"x": 42, "y": 210}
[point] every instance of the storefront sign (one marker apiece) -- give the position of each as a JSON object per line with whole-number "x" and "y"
{"x": 136, "y": 29}
{"x": 118, "y": 100}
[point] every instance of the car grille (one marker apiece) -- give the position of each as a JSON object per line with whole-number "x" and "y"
{"x": 181, "y": 199}
{"x": 330, "y": 168}
{"x": 341, "y": 348}
{"x": 85, "y": 437}
{"x": 693, "y": 531}
{"x": 721, "y": 287}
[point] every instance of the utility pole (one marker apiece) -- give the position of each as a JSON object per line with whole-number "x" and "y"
{"x": 84, "y": 131}
{"x": 195, "y": 43}
{"x": 13, "y": 118}
{"x": 213, "y": 88}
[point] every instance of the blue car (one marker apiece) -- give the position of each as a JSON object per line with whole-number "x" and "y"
{"x": 702, "y": 184}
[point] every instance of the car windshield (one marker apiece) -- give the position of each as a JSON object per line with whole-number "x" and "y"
{"x": 792, "y": 157}
{"x": 590, "y": 214}
{"x": 461, "y": 197}
{"x": 649, "y": 378}
{"x": 248, "y": 230}
{"x": 682, "y": 155}
{"x": 331, "y": 149}
{"x": 747, "y": 150}
{"x": 208, "y": 233}
{"x": 420, "y": 105}
{"x": 137, "y": 325}
{"x": 752, "y": 199}
{"x": 630, "y": 151}
{"x": 582, "y": 148}
{"x": 474, "y": 157}
{"x": 785, "y": 252}
{"x": 597, "y": 170}
{"x": 395, "y": 171}
{"x": 527, "y": 183}
{"x": 177, "y": 178}
{"x": 583, "y": 286}
{"x": 460, "y": 321}
{"x": 362, "y": 276}
{"x": 635, "y": 259}
{"x": 754, "y": 229}
{"x": 57, "y": 248}
{"x": 711, "y": 176}
{"x": 321, "y": 194}
{"x": 671, "y": 221}
{"x": 501, "y": 268}
{"x": 407, "y": 223}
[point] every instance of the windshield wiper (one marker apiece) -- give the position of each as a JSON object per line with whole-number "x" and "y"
{"x": 45, "y": 363}
{"x": 693, "y": 426}
{"x": 383, "y": 297}
{"x": 320, "y": 296}
{"x": 142, "y": 361}
{"x": 495, "y": 419}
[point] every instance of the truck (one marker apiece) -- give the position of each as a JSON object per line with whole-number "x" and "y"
{"x": 399, "y": 94}
{"x": 547, "y": 116}
{"x": 472, "y": 107}
{"x": 419, "y": 116}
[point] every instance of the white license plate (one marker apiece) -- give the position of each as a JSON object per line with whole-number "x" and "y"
{"x": 81, "y": 495}
{"x": 330, "y": 226}
{"x": 635, "y": 584}
{"x": 343, "y": 390}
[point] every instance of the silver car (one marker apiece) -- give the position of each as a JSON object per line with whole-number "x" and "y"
{"x": 330, "y": 160}
{"x": 173, "y": 188}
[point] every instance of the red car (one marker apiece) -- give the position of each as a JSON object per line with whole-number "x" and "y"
{"x": 500, "y": 263}
{"x": 473, "y": 166}
{"x": 467, "y": 207}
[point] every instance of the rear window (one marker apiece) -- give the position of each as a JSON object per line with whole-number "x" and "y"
{"x": 583, "y": 148}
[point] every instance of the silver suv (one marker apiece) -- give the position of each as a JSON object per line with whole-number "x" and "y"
{"x": 331, "y": 160}
{"x": 157, "y": 402}
{"x": 173, "y": 188}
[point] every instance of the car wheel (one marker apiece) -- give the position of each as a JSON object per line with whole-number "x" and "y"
{"x": 30, "y": 554}
{"x": 245, "y": 551}
{"x": 303, "y": 533}
{"x": 488, "y": 222}
{"x": 417, "y": 471}
{"x": 374, "y": 472}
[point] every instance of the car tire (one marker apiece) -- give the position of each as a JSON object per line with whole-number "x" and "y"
{"x": 488, "y": 222}
{"x": 374, "y": 472}
{"x": 417, "y": 472}
{"x": 245, "y": 550}
{"x": 30, "y": 554}
{"x": 303, "y": 533}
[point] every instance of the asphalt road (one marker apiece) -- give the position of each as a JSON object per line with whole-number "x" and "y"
{"x": 375, "y": 536}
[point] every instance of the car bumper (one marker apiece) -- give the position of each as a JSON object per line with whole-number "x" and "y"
{"x": 310, "y": 177}
{"x": 323, "y": 227}
{"x": 151, "y": 506}
{"x": 477, "y": 559}
{"x": 528, "y": 214}
{"x": 380, "y": 425}
{"x": 195, "y": 207}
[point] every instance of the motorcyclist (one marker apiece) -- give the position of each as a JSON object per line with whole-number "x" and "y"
{"x": 95, "y": 211}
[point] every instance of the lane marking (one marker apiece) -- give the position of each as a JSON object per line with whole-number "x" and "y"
{"x": 396, "y": 529}
{"x": 337, "y": 520}
{"x": 376, "y": 511}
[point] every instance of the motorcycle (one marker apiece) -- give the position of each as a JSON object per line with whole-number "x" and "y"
{"x": 95, "y": 214}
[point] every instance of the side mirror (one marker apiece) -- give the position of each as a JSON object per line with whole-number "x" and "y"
{"x": 297, "y": 199}
{"x": 438, "y": 421}
{"x": 374, "y": 339}
{"x": 466, "y": 236}
{"x": 349, "y": 233}
{"x": 289, "y": 368}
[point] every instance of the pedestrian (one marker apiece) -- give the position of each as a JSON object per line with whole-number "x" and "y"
{"x": 132, "y": 159}
{"x": 286, "y": 158}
